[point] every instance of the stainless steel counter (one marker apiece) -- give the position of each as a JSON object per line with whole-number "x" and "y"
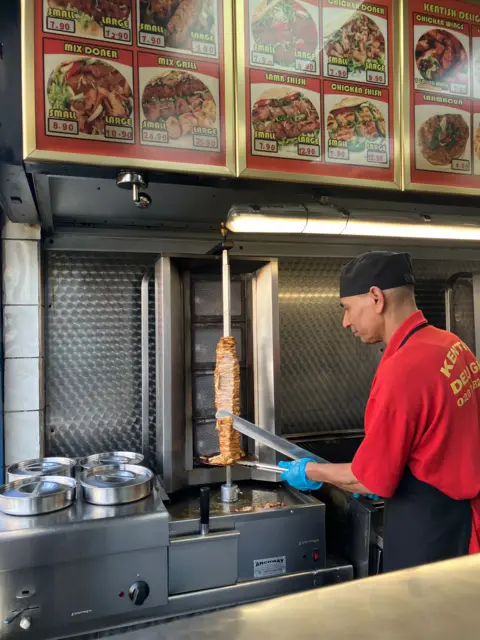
{"x": 439, "y": 602}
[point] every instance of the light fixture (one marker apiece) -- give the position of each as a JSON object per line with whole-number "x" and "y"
{"x": 328, "y": 220}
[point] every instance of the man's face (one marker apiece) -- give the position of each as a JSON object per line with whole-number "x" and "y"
{"x": 362, "y": 315}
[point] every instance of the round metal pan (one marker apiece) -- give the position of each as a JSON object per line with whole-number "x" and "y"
{"x": 41, "y": 467}
{"x": 110, "y": 457}
{"x": 34, "y": 496}
{"x": 116, "y": 484}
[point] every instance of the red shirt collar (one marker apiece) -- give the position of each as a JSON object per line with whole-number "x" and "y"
{"x": 407, "y": 325}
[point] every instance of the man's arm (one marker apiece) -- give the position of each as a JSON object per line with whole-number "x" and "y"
{"x": 340, "y": 475}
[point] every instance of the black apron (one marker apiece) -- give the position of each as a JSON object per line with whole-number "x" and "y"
{"x": 422, "y": 524}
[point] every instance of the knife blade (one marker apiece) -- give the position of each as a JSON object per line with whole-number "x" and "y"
{"x": 269, "y": 439}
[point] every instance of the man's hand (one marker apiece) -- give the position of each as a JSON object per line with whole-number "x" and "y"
{"x": 296, "y": 476}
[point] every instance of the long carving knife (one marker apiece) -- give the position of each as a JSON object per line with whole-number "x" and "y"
{"x": 269, "y": 439}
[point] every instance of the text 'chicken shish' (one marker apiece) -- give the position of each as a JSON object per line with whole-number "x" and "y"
{"x": 227, "y": 396}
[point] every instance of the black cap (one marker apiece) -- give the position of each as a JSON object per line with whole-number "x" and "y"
{"x": 380, "y": 269}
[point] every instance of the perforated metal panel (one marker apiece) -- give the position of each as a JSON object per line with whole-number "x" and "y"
{"x": 92, "y": 349}
{"x": 326, "y": 373}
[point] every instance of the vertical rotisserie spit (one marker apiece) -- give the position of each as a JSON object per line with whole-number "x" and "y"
{"x": 227, "y": 381}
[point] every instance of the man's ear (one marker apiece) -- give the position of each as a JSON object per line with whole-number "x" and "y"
{"x": 378, "y": 298}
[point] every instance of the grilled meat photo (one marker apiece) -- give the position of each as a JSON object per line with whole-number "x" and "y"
{"x": 92, "y": 89}
{"x": 91, "y": 13}
{"x": 179, "y": 18}
{"x": 356, "y": 121}
{"x": 181, "y": 100}
{"x": 287, "y": 27}
{"x": 440, "y": 56}
{"x": 286, "y": 115}
{"x": 358, "y": 41}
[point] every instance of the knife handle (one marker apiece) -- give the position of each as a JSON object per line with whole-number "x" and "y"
{"x": 204, "y": 510}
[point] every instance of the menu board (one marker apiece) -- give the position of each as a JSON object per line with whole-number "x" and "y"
{"x": 146, "y": 82}
{"x": 316, "y": 99}
{"x": 442, "y": 96}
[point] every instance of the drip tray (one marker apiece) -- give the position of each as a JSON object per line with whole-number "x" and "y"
{"x": 253, "y": 497}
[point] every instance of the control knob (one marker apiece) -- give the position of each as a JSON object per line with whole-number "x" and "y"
{"x": 138, "y": 592}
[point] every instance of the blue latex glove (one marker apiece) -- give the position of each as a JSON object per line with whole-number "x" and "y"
{"x": 296, "y": 476}
{"x": 372, "y": 496}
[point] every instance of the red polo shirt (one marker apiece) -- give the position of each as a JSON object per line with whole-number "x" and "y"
{"x": 424, "y": 412}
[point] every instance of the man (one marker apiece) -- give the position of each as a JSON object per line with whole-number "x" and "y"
{"x": 421, "y": 450}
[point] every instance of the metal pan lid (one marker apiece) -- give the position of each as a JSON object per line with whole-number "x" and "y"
{"x": 41, "y": 467}
{"x": 116, "y": 476}
{"x": 33, "y": 496}
{"x": 111, "y": 457}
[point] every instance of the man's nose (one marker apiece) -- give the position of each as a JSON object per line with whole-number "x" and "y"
{"x": 345, "y": 322}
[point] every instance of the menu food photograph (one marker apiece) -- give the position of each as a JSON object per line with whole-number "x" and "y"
{"x": 87, "y": 96}
{"x": 285, "y": 34}
{"x": 356, "y": 127}
{"x": 186, "y": 26}
{"x": 109, "y": 20}
{"x": 442, "y": 63}
{"x": 179, "y": 108}
{"x": 285, "y": 119}
{"x": 355, "y": 42}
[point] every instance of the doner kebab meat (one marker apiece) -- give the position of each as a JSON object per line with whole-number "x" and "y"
{"x": 227, "y": 396}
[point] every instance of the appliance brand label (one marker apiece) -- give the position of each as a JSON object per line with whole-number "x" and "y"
{"x": 267, "y": 567}
{"x": 81, "y": 613}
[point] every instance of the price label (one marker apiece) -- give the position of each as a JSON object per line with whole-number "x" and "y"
{"x": 115, "y": 33}
{"x": 458, "y": 88}
{"x": 375, "y": 77}
{"x": 266, "y": 146}
{"x": 118, "y": 133}
{"x": 157, "y": 137}
{"x": 309, "y": 66}
{"x": 461, "y": 165}
{"x": 338, "y": 153}
{"x": 308, "y": 150}
{"x": 57, "y": 125}
{"x": 204, "y": 48}
{"x": 205, "y": 142}
{"x": 265, "y": 59}
{"x": 152, "y": 39}
{"x": 337, "y": 71}
{"x": 61, "y": 25}
{"x": 377, "y": 157}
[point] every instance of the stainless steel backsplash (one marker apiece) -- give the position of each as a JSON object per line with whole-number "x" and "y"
{"x": 93, "y": 356}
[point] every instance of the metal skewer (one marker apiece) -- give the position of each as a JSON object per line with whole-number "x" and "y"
{"x": 229, "y": 491}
